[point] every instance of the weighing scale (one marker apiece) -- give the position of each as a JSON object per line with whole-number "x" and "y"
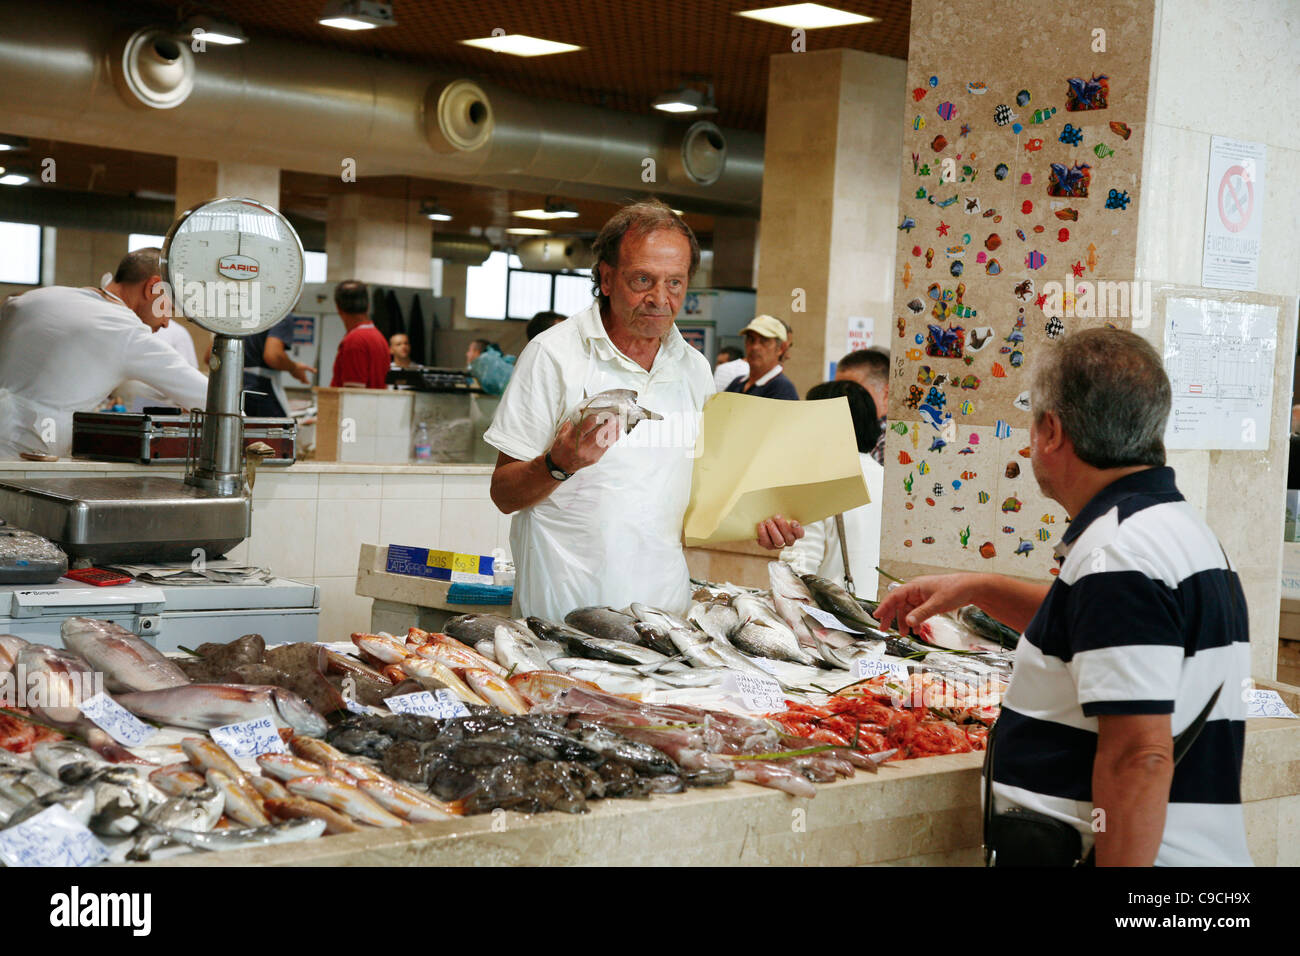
{"x": 235, "y": 267}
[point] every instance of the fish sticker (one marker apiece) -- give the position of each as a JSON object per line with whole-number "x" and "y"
{"x": 1024, "y": 547}
{"x": 1001, "y": 170}
{"x": 913, "y": 354}
{"x": 1035, "y": 260}
{"x": 1120, "y": 129}
{"x": 946, "y": 110}
{"x": 1069, "y": 215}
{"x": 967, "y": 407}
{"x": 967, "y": 475}
{"x": 1090, "y": 94}
{"x": 918, "y": 94}
{"x": 1002, "y": 114}
{"x": 987, "y": 550}
{"x": 1043, "y": 534}
{"x": 977, "y": 88}
{"x": 966, "y": 451}
{"x": 1103, "y": 151}
{"x": 904, "y": 458}
{"x": 1007, "y": 529}
{"x": 992, "y": 242}
{"x": 1071, "y": 135}
{"x": 983, "y": 497}
{"x": 1024, "y": 452}
{"x": 907, "y": 225}
{"x": 1011, "y": 506}
{"x": 923, "y": 468}
{"x": 939, "y": 143}
{"x": 999, "y": 371}
{"x": 924, "y": 375}
{"x": 1002, "y": 429}
{"x": 1017, "y": 358}
{"x": 1022, "y": 98}
{"x": 918, "y": 123}
{"x": 937, "y": 444}
{"x": 927, "y": 540}
{"x": 1117, "y": 199}
{"x": 970, "y": 382}
{"x": 1048, "y": 519}
{"x": 899, "y": 427}
{"x": 916, "y": 305}
{"x": 1033, "y": 145}
{"x": 1042, "y": 116}
{"x": 947, "y": 202}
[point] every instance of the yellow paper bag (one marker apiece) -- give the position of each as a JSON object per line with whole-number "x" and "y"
{"x": 759, "y": 457}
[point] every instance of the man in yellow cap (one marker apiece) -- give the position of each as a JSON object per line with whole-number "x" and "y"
{"x": 766, "y": 342}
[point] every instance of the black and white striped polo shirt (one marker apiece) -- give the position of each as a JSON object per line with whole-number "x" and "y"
{"x": 1145, "y": 617}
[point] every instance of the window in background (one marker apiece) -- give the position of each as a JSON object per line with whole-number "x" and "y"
{"x": 20, "y": 253}
{"x": 530, "y": 293}
{"x": 313, "y": 266}
{"x": 138, "y": 240}
{"x": 572, "y": 292}
{"x": 485, "y": 286}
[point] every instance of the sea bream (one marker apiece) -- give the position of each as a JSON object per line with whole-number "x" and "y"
{"x": 127, "y": 662}
{"x": 762, "y": 632}
{"x": 203, "y": 706}
{"x": 619, "y": 403}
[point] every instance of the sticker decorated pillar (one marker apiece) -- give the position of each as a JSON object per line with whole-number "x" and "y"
{"x": 1054, "y": 178}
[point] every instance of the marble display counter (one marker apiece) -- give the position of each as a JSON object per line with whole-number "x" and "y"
{"x": 915, "y": 812}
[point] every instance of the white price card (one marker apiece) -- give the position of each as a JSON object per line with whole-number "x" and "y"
{"x": 757, "y": 694}
{"x": 251, "y": 738}
{"x": 53, "y": 837}
{"x": 443, "y": 704}
{"x": 864, "y": 667}
{"x": 116, "y": 721}
{"x": 827, "y": 619}
{"x": 1266, "y": 703}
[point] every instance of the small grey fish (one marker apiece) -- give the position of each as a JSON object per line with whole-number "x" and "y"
{"x": 78, "y": 801}
{"x": 620, "y": 402}
{"x": 607, "y": 623}
{"x": 293, "y": 831}
{"x": 67, "y": 760}
{"x": 199, "y": 810}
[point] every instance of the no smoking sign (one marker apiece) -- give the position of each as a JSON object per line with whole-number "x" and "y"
{"x": 1236, "y": 197}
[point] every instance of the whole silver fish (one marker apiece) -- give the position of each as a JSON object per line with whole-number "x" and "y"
{"x": 607, "y": 623}
{"x": 715, "y": 619}
{"x": 67, "y": 760}
{"x": 345, "y": 798}
{"x": 199, "y": 810}
{"x": 78, "y": 801}
{"x": 620, "y": 402}
{"x": 203, "y": 706}
{"x": 122, "y": 799}
{"x": 472, "y": 628}
{"x": 789, "y": 594}
{"x": 516, "y": 652}
{"x": 127, "y": 662}
{"x": 763, "y": 633}
{"x": 293, "y": 831}
{"x": 24, "y": 786}
{"x": 66, "y": 681}
{"x": 242, "y": 806}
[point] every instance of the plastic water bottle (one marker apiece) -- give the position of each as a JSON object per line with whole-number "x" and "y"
{"x": 423, "y": 447}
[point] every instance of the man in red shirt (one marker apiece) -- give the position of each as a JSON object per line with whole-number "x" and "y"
{"x": 363, "y": 358}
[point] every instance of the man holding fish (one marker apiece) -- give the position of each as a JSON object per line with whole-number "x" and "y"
{"x": 598, "y": 514}
{"x": 1143, "y": 633}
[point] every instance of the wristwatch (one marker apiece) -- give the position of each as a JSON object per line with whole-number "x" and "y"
{"x": 558, "y": 473}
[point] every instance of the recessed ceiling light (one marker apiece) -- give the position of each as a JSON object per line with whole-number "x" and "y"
{"x": 206, "y": 29}
{"x": 517, "y": 44}
{"x": 807, "y": 16}
{"x": 553, "y": 210}
{"x": 686, "y": 99}
{"x": 519, "y": 230}
{"x": 13, "y": 177}
{"x": 431, "y": 209}
{"x": 12, "y": 142}
{"x": 356, "y": 14}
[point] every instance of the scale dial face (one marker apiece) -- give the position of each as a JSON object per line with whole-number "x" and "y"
{"x": 235, "y": 266}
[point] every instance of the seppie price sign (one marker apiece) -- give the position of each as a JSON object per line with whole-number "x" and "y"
{"x": 757, "y": 694}
{"x": 443, "y": 704}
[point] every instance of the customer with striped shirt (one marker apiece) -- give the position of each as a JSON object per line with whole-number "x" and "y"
{"x": 1145, "y": 620}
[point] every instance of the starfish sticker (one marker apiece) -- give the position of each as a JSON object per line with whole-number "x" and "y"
{"x": 943, "y": 228}
{"x": 1040, "y": 300}
{"x": 1077, "y": 268}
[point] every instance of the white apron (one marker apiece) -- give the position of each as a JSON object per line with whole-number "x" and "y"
{"x": 25, "y": 425}
{"x": 611, "y": 534}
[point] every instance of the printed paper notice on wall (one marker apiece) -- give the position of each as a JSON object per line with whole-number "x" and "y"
{"x": 861, "y": 333}
{"x": 1234, "y": 215}
{"x": 1220, "y": 359}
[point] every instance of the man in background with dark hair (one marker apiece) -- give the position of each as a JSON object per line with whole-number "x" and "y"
{"x": 1142, "y": 633}
{"x": 870, "y": 369}
{"x": 63, "y": 350}
{"x": 730, "y": 365}
{"x": 363, "y": 358}
{"x": 541, "y": 322}
{"x": 597, "y": 513}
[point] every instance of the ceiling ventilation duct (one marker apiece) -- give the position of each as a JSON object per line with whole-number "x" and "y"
{"x": 154, "y": 70}
{"x": 554, "y": 253}
{"x": 461, "y": 250}
{"x": 697, "y": 154}
{"x": 459, "y": 118}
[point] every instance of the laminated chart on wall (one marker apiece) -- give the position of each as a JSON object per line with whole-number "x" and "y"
{"x": 1219, "y": 356}
{"x": 1017, "y": 226}
{"x": 759, "y": 457}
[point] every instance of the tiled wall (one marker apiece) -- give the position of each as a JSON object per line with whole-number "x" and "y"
{"x": 310, "y": 527}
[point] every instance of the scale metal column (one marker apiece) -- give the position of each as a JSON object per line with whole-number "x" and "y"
{"x": 235, "y": 267}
